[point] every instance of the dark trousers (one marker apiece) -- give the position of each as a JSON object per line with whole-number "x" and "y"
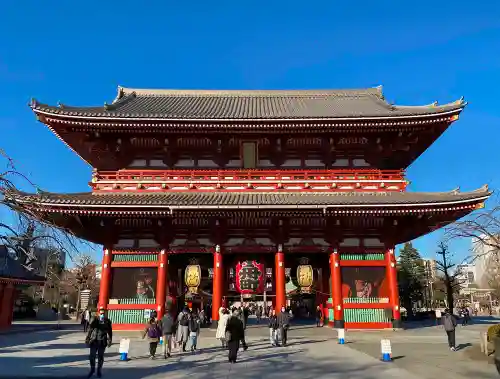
{"x": 152, "y": 348}
{"x": 318, "y": 321}
{"x": 96, "y": 351}
{"x": 451, "y": 338}
{"x": 85, "y": 326}
{"x": 233, "y": 347}
{"x": 284, "y": 335}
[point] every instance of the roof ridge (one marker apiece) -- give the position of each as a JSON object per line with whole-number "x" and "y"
{"x": 124, "y": 91}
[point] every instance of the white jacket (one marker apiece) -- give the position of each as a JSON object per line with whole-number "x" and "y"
{"x": 221, "y": 326}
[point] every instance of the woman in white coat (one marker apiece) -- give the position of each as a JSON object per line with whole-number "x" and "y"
{"x": 221, "y": 326}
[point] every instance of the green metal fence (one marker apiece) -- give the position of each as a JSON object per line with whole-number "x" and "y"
{"x": 365, "y": 315}
{"x": 362, "y": 257}
{"x": 360, "y": 300}
{"x": 135, "y": 257}
{"x": 127, "y": 316}
{"x": 134, "y": 301}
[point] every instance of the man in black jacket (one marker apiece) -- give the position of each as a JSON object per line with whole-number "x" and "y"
{"x": 167, "y": 325}
{"x": 283, "y": 325}
{"x": 99, "y": 336}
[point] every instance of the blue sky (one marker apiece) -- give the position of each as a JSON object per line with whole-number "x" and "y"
{"x": 427, "y": 51}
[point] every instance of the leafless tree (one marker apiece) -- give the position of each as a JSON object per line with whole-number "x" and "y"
{"x": 483, "y": 228}
{"x": 27, "y": 230}
{"x": 450, "y": 273}
{"x": 83, "y": 276}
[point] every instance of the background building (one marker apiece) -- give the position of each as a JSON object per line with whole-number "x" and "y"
{"x": 486, "y": 259}
{"x": 467, "y": 275}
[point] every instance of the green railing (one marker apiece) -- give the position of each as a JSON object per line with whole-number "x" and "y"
{"x": 135, "y": 301}
{"x": 127, "y": 316}
{"x": 135, "y": 257}
{"x": 362, "y": 257}
{"x": 360, "y": 300}
{"x": 365, "y": 315}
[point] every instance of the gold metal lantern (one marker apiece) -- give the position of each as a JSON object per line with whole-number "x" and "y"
{"x": 192, "y": 277}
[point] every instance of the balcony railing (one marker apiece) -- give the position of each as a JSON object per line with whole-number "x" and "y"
{"x": 339, "y": 180}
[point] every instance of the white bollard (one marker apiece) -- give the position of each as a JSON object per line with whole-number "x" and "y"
{"x": 124, "y": 349}
{"x": 341, "y": 336}
{"x": 385, "y": 346}
{"x": 161, "y": 341}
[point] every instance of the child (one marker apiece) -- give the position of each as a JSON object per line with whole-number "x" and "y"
{"x": 194, "y": 331}
{"x": 153, "y": 333}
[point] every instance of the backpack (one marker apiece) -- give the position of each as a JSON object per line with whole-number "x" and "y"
{"x": 153, "y": 331}
{"x": 184, "y": 321}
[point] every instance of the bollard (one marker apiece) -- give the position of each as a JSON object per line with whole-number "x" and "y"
{"x": 124, "y": 349}
{"x": 385, "y": 346}
{"x": 341, "y": 336}
{"x": 161, "y": 341}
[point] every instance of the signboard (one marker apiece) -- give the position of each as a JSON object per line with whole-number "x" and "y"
{"x": 147, "y": 314}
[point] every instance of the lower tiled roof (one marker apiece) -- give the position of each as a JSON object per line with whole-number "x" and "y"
{"x": 252, "y": 199}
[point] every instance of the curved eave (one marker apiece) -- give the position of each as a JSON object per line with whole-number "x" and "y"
{"x": 440, "y": 112}
{"x": 171, "y": 202}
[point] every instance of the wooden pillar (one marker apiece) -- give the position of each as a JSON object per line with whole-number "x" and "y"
{"x": 6, "y": 305}
{"x": 337, "y": 301}
{"x": 392, "y": 278}
{"x": 161, "y": 284}
{"x": 105, "y": 280}
{"x": 218, "y": 284}
{"x": 279, "y": 267}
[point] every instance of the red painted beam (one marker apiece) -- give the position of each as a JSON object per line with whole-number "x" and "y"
{"x": 368, "y": 325}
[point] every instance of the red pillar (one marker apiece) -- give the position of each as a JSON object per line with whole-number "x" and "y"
{"x": 161, "y": 284}
{"x": 392, "y": 278}
{"x": 6, "y": 306}
{"x": 105, "y": 279}
{"x": 279, "y": 267}
{"x": 338, "y": 312}
{"x": 218, "y": 283}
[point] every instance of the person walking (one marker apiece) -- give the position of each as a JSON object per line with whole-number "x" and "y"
{"x": 183, "y": 328}
{"x": 167, "y": 326}
{"x": 449, "y": 325}
{"x": 99, "y": 336}
{"x": 438, "y": 317}
{"x": 283, "y": 325}
{"x": 86, "y": 319}
{"x": 273, "y": 328}
{"x": 258, "y": 313}
{"x": 153, "y": 333}
{"x": 235, "y": 333}
{"x": 220, "y": 334}
{"x": 319, "y": 316}
{"x": 194, "y": 331}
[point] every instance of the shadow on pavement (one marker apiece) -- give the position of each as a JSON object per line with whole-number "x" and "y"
{"x": 30, "y": 337}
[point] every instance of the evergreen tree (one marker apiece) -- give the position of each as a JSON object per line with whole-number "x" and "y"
{"x": 411, "y": 273}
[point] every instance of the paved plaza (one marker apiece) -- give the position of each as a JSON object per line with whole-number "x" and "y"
{"x": 312, "y": 353}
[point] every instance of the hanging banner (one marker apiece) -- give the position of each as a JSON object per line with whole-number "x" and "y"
{"x": 249, "y": 277}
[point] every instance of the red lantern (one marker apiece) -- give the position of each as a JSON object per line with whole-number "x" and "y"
{"x": 249, "y": 277}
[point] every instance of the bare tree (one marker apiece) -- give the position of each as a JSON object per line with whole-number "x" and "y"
{"x": 83, "y": 276}
{"x": 483, "y": 228}
{"x": 451, "y": 274}
{"x": 28, "y": 230}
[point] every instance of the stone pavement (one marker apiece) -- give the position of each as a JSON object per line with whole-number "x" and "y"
{"x": 425, "y": 351}
{"x": 312, "y": 353}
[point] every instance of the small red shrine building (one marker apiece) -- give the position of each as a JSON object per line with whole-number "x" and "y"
{"x": 214, "y": 194}
{"x": 13, "y": 278}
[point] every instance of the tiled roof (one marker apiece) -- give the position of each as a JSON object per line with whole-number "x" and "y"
{"x": 12, "y": 268}
{"x": 248, "y": 105}
{"x": 180, "y": 200}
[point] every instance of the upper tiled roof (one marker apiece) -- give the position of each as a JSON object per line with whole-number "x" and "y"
{"x": 242, "y": 200}
{"x": 248, "y": 105}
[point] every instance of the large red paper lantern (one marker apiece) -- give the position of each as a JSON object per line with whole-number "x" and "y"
{"x": 249, "y": 277}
